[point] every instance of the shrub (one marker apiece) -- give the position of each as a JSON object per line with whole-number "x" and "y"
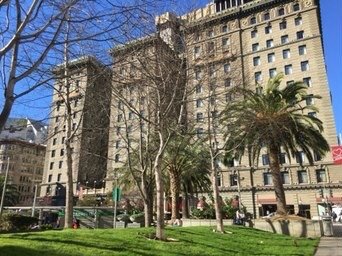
{"x": 139, "y": 217}
{"x": 124, "y": 218}
{"x": 16, "y": 222}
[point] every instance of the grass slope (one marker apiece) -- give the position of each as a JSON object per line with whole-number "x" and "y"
{"x": 191, "y": 241}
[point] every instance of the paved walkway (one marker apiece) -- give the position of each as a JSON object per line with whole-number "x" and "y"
{"x": 331, "y": 246}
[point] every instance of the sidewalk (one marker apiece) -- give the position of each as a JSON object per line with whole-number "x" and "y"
{"x": 331, "y": 246}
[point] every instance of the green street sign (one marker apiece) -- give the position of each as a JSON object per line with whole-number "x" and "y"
{"x": 116, "y": 194}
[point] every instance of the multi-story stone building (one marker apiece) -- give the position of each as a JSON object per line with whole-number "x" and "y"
{"x": 25, "y": 169}
{"x": 244, "y": 43}
{"x": 25, "y": 129}
{"x": 89, "y": 100}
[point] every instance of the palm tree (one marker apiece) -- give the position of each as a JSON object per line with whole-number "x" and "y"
{"x": 188, "y": 168}
{"x": 11, "y": 195}
{"x": 277, "y": 118}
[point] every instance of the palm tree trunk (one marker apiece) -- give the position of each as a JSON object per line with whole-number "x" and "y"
{"x": 175, "y": 188}
{"x": 217, "y": 201}
{"x": 277, "y": 181}
{"x": 185, "y": 205}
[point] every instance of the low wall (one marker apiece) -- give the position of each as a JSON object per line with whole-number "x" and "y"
{"x": 204, "y": 222}
{"x": 296, "y": 228}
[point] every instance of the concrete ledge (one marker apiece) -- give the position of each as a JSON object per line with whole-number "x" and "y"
{"x": 204, "y": 222}
{"x": 296, "y": 228}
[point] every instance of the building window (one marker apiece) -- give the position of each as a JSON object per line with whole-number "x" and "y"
{"x": 281, "y": 12}
{"x": 199, "y": 117}
{"x": 50, "y": 178}
{"x": 63, "y": 140}
{"x": 225, "y": 42}
{"x": 229, "y": 97}
{"x": 51, "y": 165}
{"x": 282, "y": 25}
{"x": 284, "y": 39}
{"x": 199, "y": 103}
{"x": 199, "y": 132}
{"x": 307, "y": 81}
{"x": 54, "y": 141}
{"x": 298, "y": 21}
{"x": 269, "y": 43}
{"x": 286, "y": 54}
{"x": 255, "y": 47}
{"x": 74, "y": 126}
{"x": 197, "y": 51}
{"x": 211, "y": 47}
{"x": 288, "y": 69}
{"x": 312, "y": 114}
{"x": 129, "y": 128}
{"x": 317, "y": 156}
{"x": 227, "y": 82}
{"x": 265, "y": 159}
{"x": 117, "y": 158}
{"x": 268, "y": 30}
{"x": 282, "y": 158}
{"x": 302, "y": 49}
{"x": 266, "y": 16}
{"x": 199, "y": 88}
{"x": 226, "y": 68}
{"x": 272, "y": 72}
{"x": 254, "y": 33}
{"x": 285, "y": 177}
{"x": 300, "y": 157}
{"x": 258, "y": 90}
{"x": 119, "y": 118}
{"x": 268, "y": 179}
{"x": 296, "y": 7}
{"x": 198, "y": 74}
{"x": 118, "y": 130}
{"x": 210, "y": 33}
{"x": 218, "y": 179}
{"x": 59, "y": 175}
{"x": 61, "y": 153}
{"x": 270, "y": 57}
{"x": 309, "y": 100}
{"x": 130, "y": 116}
{"x": 300, "y": 35}
{"x": 321, "y": 175}
{"x": 304, "y": 65}
{"x": 252, "y": 21}
{"x": 256, "y": 61}
{"x": 117, "y": 144}
{"x": 224, "y": 29}
{"x": 257, "y": 76}
{"x": 53, "y": 153}
{"x": 233, "y": 180}
{"x": 60, "y": 164}
{"x": 302, "y": 176}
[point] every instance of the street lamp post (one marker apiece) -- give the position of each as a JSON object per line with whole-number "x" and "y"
{"x": 4, "y": 187}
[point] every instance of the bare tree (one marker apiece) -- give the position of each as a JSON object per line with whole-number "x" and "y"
{"x": 156, "y": 74}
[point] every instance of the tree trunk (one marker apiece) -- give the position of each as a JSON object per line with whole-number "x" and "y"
{"x": 6, "y": 111}
{"x": 160, "y": 234}
{"x": 185, "y": 205}
{"x": 148, "y": 211}
{"x": 217, "y": 201}
{"x": 277, "y": 181}
{"x": 174, "y": 188}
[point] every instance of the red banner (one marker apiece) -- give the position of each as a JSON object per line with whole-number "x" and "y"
{"x": 337, "y": 154}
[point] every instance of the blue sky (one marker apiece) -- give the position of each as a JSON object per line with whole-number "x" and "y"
{"x": 332, "y": 36}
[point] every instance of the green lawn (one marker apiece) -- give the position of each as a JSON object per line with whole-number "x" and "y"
{"x": 191, "y": 241}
